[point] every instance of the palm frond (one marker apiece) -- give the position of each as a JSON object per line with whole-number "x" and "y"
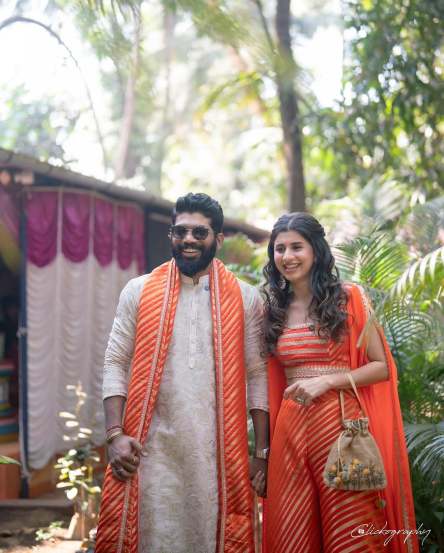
{"x": 246, "y": 83}
{"x": 376, "y": 261}
{"x": 406, "y": 329}
{"x": 418, "y": 272}
{"x": 425, "y": 443}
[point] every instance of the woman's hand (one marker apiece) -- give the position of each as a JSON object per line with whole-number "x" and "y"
{"x": 304, "y": 391}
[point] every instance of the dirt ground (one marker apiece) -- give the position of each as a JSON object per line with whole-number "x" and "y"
{"x": 57, "y": 546}
{"x": 18, "y": 529}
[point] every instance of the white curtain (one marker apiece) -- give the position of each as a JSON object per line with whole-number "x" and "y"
{"x": 70, "y": 310}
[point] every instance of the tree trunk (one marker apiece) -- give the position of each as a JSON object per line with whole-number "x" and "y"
{"x": 289, "y": 110}
{"x": 129, "y": 102}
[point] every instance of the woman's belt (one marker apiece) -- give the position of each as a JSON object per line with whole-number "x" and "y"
{"x": 311, "y": 371}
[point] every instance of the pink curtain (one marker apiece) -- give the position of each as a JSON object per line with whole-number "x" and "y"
{"x": 41, "y": 211}
{"x": 75, "y": 226}
{"x": 117, "y": 230}
{"x": 103, "y": 231}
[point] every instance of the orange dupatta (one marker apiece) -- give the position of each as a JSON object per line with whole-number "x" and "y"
{"x": 381, "y": 403}
{"x": 118, "y": 521}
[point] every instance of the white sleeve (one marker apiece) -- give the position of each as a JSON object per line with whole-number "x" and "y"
{"x": 119, "y": 352}
{"x": 255, "y": 357}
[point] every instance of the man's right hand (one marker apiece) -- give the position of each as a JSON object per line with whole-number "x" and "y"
{"x": 124, "y": 456}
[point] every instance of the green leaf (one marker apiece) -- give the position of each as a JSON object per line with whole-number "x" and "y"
{"x": 4, "y": 460}
{"x": 425, "y": 443}
{"x": 418, "y": 271}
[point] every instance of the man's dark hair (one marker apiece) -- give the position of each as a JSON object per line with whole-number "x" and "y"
{"x": 200, "y": 203}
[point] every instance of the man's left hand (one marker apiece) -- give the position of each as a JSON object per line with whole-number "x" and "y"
{"x": 258, "y": 475}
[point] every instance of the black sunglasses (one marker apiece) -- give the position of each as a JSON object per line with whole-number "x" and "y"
{"x": 180, "y": 232}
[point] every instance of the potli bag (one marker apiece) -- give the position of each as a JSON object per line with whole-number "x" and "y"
{"x": 354, "y": 461}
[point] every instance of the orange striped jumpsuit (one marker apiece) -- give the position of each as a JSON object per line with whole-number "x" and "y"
{"x": 304, "y": 515}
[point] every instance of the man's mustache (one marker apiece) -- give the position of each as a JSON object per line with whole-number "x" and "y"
{"x": 185, "y": 246}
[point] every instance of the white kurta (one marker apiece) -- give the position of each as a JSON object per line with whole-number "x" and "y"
{"x": 178, "y": 472}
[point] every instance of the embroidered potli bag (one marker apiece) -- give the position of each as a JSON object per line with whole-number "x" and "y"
{"x": 354, "y": 461}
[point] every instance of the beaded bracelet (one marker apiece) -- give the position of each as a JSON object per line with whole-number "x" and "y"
{"x": 113, "y": 426}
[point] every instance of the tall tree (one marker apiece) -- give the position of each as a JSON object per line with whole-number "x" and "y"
{"x": 222, "y": 23}
{"x": 289, "y": 109}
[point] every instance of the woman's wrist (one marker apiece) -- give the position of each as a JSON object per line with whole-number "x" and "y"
{"x": 334, "y": 381}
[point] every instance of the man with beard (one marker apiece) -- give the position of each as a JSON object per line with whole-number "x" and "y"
{"x": 185, "y": 340}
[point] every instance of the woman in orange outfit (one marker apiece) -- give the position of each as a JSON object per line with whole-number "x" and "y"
{"x": 314, "y": 328}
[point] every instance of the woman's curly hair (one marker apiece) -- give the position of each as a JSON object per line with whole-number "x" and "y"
{"x": 328, "y": 306}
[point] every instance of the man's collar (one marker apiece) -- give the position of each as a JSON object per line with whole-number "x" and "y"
{"x": 204, "y": 279}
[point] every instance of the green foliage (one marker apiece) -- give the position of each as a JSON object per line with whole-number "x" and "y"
{"x": 237, "y": 249}
{"x": 377, "y": 262}
{"x": 246, "y": 87}
{"x": 206, "y": 82}
{"x": 76, "y": 473}
{"x": 374, "y": 260}
{"x": 390, "y": 124}
{"x": 38, "y": 128}
{"x": 214, "y": 19}
{"x": 404, "y": 279}
{"x": 421, "y": 384}
{"x": 420, "y": 270}
{"x": 429, "y": 509}
{"x": 44, "y": 534}
{"x": 243, "y": 257}
{"x": 426, "y": 444}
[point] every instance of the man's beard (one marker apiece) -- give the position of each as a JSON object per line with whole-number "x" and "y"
{"x": 191, "y": 267}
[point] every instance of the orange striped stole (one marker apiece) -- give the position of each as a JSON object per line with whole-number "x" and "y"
{"x": 381, "y": 403}
{"x": 118, "y": 522}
